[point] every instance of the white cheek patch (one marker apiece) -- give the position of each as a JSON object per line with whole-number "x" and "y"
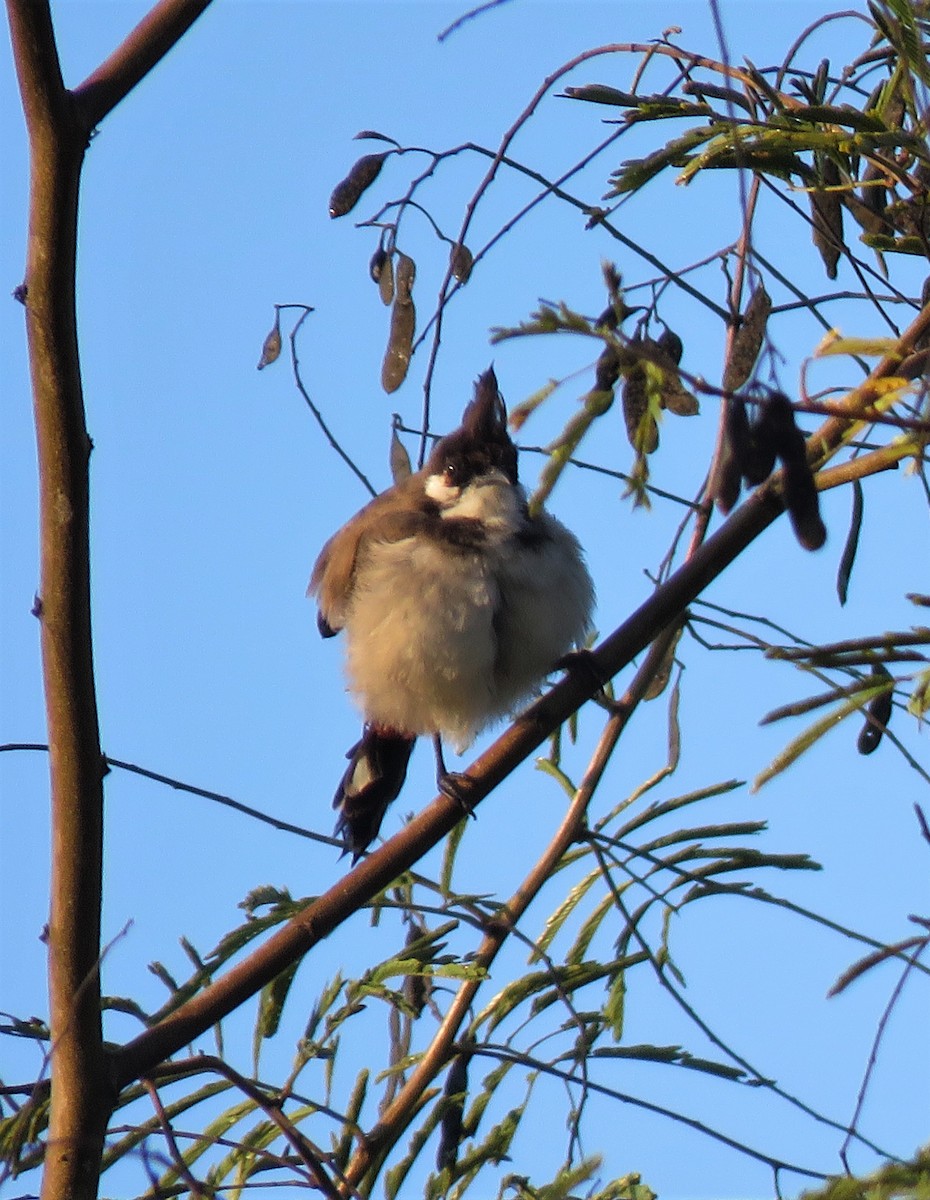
{"x": 443, "y": 493}
{"x": 494, "y": 504}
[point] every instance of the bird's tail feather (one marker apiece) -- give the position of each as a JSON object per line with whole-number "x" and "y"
{"x": 375, "y": 774}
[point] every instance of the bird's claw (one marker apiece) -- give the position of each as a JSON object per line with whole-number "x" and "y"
{"x": 584, "y": 662}
{"x": 456, "y": 785}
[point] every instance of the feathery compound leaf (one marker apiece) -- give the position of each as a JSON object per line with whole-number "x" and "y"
{"x": 520, "y": 412}
{"x": 558, "y": 918}
{"x": 814, "y": 733}
{"x": 674, "y": 1056}
{"x": 637, "y": 172}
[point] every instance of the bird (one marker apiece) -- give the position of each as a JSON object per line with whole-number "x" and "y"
{"x": 455, "y": 601}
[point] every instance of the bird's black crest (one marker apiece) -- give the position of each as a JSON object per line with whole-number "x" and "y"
{"x": 483, "y": 433}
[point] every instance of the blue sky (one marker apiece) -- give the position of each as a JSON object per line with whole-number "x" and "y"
{"x": 204, "y": 203}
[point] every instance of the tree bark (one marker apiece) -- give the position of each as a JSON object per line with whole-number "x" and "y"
{"x": 59, "y": 123}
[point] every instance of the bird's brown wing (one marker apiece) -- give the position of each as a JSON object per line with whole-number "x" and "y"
{"x": 389, "y": 517}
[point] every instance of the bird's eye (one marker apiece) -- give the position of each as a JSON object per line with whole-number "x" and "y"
{"x": 450, "y": 474}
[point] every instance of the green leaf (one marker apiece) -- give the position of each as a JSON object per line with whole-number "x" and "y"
{"x": 674, "y": 1056}
{"x": 270, "y": 1007}
{"x": 615, "y": 1007}
{"x": 558, "y": 918}
{"x": 635, "y": 173}
{"x": 814, "y": 733}
{"x": 590, "y": 927}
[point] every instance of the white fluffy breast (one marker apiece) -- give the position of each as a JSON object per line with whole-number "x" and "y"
{"x": 446, "y": 634}
{"x": 420, "y": 637}
{"x": 547, "y": 598}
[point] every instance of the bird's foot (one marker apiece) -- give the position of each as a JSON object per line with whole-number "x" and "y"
{"x": 583, "y": 662}
{"x": 456, "y": 785}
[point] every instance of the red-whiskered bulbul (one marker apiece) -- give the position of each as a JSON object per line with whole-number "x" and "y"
{"x": 455, "y": 602}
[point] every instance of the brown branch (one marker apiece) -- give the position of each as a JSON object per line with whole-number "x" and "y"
{"x": 322, "y": 916}
{"x": 81, "y": 1097}
{"x": 131, "y": 61}
{"x": 325, "y": 914}
{"x": 397, "y": 1116}
{"x": 82, "y": 1094}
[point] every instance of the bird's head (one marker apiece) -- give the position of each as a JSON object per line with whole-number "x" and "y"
{"x": 477, "y": 454}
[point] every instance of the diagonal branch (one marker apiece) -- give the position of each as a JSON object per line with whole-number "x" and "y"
{"x": 131, "y": 61}
{"x": 325, "y": 914}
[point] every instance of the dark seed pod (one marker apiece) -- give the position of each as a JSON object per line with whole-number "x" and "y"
{"x": 671, "y": 344}
{"x": 734, "y": 449}
{"x": 802, "y": 502}
{"x": 377, "y": 263}
{"x": 348, "y": 192}
{"x": 400, "y": 344}
{"x": 776, "y": 421}
{"x": 461, "y": 261}
{"x": 736, "y": 427}
{"x": 450, "y": 1134}
{"x": 271, "y": 347}
{"x": 827, "y": 213}
{"x": 800, "y": 491}
{"x": 677, "y": 399}
{"x": 728, "y": 482}
{"x": 404, "y": 274}
{"x": 607, "y": 370}
{"x": 386, "y": 281}
{"x": 747, "y": 341}
{"x": 879, "y": 713}
{"x": 758, "y": 460}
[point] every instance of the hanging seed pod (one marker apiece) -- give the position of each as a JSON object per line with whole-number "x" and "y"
{"x": 733, "y": 452}
{"x": 671, "y": 344}
{"x": 403, "y": 326}
{"x": 386, "y": 281}
{"x": 800, "y": 491}
{"x": 450, "y": 1134}
{"x": 400, "y": 345}
{"x": 607, "y": 370}
{"x": 404, "y": 274}
{"x": 848, "y": 557}
{"x": 348, "y": 192}
{"x": 664, "y": 673}
{"x": 747, "y": 341}
{"x": 827, "y": 214}
{"x": 401, "y": 467}
{"x": 728, "y": 480}
{"x": 461, "y": 260}
{"x": 803, "y": 504}
{"x": 879, "y": 713}
{"x": 381, "y": 270}
{"x": 676, "y": 397}
{"x": 758, "y": 456}
{"x": 666, "y": 353}
{"x": 271, "y": 347}
{"x": 377, "y": 263}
